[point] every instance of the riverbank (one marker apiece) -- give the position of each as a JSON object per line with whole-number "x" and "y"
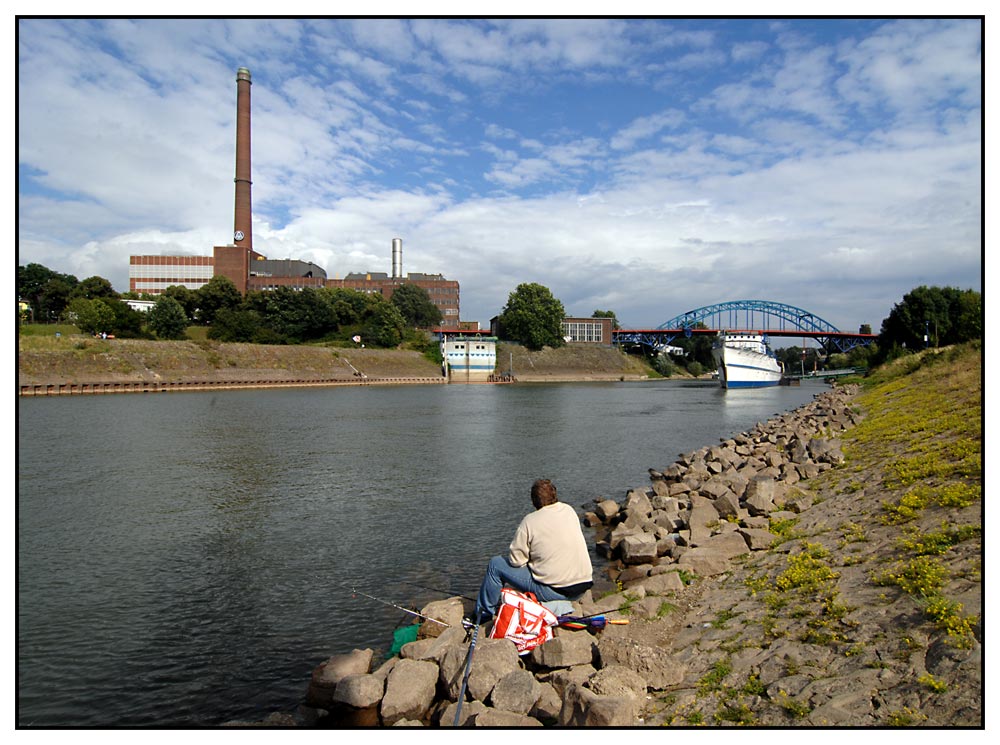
{"x": 821, "y": 569}
{"x": 73, "y": 363}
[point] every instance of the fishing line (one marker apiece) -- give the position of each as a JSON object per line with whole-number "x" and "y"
{"x": 434, "y": 589}
{"x": 354, "y": 592}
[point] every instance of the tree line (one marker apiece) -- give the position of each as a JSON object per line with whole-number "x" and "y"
{"x": 281, "y": 316}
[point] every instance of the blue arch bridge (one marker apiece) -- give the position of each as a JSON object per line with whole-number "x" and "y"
{"x": 753, "y": 316}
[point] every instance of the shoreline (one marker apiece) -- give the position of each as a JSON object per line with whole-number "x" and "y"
{"x": 80, "y": 389}
{"x": 146, "y": 386}
{"x": 721, "y": 630}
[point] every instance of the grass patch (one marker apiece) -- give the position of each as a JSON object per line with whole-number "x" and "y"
{"x": 712, "y": 680}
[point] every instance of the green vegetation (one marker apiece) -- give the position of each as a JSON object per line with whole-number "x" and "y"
{"x": 532, "y": 317}
{"x": 280, "y": 316}
{"x": 415, "y": 305}
{"x": 712, "y": 680}
{"x": 933, "y": 406}
{"x": 167, "y": 318}
{"x": 931, "y": 316}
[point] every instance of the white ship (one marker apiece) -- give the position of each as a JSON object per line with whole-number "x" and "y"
{"x": 745, "y": 361}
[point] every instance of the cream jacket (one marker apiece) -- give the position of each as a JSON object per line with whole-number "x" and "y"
{"x": 550, "y": 541}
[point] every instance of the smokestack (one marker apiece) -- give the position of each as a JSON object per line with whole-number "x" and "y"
{"x": 397, "y": 258}
{"x": 242, "y": 235}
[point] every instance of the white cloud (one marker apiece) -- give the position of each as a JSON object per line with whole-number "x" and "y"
{"x": 646, "y": 126}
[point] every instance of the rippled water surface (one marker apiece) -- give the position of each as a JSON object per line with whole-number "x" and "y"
{"x": 182, "y": 556}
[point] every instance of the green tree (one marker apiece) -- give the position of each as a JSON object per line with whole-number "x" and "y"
{"x": 533, "y": 317}
{"x": 932, "y": 316}
{"x": 46, "y": 291}
{"x": 128, "y": 322}
{"x": 91, "y": 316}
{"x": 697, "y": 347}
{"x": 416, "y": 306}
{"x": 94, "y": 287}
{"x": 608, "y": 314}
{"x": 218, "y": 293}
{"x": 299, "y": 315}
{"x": 240, "y": 325}
{"x": 187, "y": 297}
{"x": 348, "y": 305}
{"x": 385, "y": 325}
{"x": 167, "y": 318}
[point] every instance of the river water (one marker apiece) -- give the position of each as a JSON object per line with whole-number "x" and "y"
{"x": 182, "y": 557}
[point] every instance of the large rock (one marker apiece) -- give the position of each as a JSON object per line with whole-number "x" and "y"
{"x": 584, "y": 708}
{"x": 327, "y": 674}
{"x": 549, "y": 703}
{"x": 826, "y": 451}
{"x": 492, "y": 660}
{"x": 661, "y": 584}
{"x": 432, "y": 648}
{"x": 565, "y": 650}
{"x": 617, "y": 680}
{"x": 620, "y": 532}
{"x": 758, "y": 539}
{"x": 653, "y": 664}
{"x": 449, "y": 612}
{"x": 409, "y": 690}
{"x": 639, "y": 549}
{"x": 561, "y": 678}
{"x": 517, "y": 691}
{"x": 637, "y": 503}
{"x": 497, "y": 718}
{"x": 727, "y": 504}
{"x": 714, "y": 488}
{"x": 360, "y": 690}
{"x": 703, "y": 518}
{"x": 466, "y": 717}
{"x": 606, "y": 509}
{"x": 726, "y": 545}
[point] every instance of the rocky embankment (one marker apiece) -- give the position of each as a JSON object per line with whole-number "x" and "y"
{"x": 751, "y": 587}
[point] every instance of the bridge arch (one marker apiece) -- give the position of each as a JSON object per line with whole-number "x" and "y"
{"x": 755, "y": 314}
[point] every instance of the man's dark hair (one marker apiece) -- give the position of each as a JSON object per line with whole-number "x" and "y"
{"x": 543, "y": 493}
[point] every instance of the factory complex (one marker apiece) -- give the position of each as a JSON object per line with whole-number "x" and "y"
{"x": 250, "y": 270}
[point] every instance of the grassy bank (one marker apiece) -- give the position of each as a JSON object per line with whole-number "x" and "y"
{"x": 867, "y": 609}
{"x": 45, "y": 358}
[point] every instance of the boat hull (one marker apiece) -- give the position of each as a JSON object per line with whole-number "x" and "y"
{"x": 746, "y": 362}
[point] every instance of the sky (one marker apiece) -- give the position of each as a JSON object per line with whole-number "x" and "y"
{"x": 643, "y": 166}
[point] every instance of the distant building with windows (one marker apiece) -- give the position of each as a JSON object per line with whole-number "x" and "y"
{"x": 587, "y": 330}
{"x": 574, "y": 330}
{"x": 251, "y": 271}
{"x": 444, "y": 293}
{"x": 153, "y": 274}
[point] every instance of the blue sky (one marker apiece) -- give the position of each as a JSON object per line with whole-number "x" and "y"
{"x": 648, "y": 167}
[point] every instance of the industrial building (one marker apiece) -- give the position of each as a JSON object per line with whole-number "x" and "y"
{"x": 252, "y": 271}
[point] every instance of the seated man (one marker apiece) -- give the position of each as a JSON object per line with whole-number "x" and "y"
{"x": 548, "y": 555}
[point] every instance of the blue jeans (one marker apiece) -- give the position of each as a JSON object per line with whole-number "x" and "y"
{"x": 499, "y": 572}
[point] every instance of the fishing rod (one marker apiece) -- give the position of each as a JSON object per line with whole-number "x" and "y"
{"x": 468, "y": 667}
{"x": 597, "y": 620}
{"x": 355, "y": 592}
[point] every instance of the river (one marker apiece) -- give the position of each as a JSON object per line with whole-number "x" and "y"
{"x": 182, "y": 557}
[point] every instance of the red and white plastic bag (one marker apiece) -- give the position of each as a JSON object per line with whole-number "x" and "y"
{"x": 523, "y": 620}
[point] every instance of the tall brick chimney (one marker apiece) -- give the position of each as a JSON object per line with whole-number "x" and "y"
{"x": 233, "y": 260}
{"x": 242, "y": 227}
